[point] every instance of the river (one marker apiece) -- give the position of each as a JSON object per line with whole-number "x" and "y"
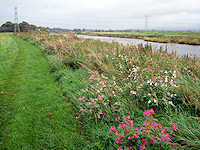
{"x": 180, "y": 49}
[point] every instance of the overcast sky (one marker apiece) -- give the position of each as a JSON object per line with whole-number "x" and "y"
{"x": 105, "y": 14}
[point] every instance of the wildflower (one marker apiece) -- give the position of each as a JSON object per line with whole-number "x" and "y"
{"x": 117, "y": 140}
{"x": 163, "y": 139}
{"x": 124, "y": 118}
{"x": 145, "y": 123}
{"x": 89, "y": 103}
{"x": 168, "y": 136}
{"x": 151, "y": 143}
{"x": 81, "y": 109}
{"x": 91, "y": 77}
{"x": 141, "y": 147}
{"x": 175, "y": 128}
{"x": 173, "y": 147}
{"x": 129, "y": 137}
{"x": 130, "y": 122}
{"x": 112, "y": 129}
{"x": 153, "y": 138}
{"x": 120, "y": 148}
{"x": 136, "y": 129}
{"x": 135, "y": 135}
{"x": 147, "y": 113}
{"x": 133, "y": 92}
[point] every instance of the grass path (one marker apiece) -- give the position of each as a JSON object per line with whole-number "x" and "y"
{"x": 34, "y": 114}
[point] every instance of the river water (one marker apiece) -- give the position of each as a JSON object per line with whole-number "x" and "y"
{"x": 180, "y": 49}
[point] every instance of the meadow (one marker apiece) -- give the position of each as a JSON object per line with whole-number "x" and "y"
{"x": 192, "y": 38}
{"x": 125, "y": 97}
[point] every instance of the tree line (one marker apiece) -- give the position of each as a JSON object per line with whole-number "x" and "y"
{"x": 23, "y": 27}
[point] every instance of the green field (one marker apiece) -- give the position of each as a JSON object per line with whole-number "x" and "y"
{"x": 192, "y": 38}
{"x": 34, "y": 114}
{"x": 71, "y": 93}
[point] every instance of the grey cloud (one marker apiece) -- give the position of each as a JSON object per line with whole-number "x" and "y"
{"x": 119, "y": 14}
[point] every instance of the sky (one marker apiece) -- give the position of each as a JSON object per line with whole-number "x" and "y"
{"x": 105, "y": 14}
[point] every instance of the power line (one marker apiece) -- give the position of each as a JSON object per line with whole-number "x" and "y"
{"x": 16, "y": 26}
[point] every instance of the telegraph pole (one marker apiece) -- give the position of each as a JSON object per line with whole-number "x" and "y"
{"x": 16, "y": 26}
{"x": 146, "y": 21}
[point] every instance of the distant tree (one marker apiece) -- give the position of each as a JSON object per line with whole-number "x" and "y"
{"x": 32, "y": 27}
{"x": 24, "y": 26}
{"x": 77, "y": 30}
{"x": 42, "y": 29}
{"x": 7, "y": 27}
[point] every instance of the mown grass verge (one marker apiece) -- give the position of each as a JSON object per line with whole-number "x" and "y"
{"x": 34, "y": 113}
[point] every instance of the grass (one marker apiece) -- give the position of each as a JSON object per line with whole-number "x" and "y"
{"x": 109, "y": 81}
{"x": 192, "y": 38}
{"x": 34, "y": 113}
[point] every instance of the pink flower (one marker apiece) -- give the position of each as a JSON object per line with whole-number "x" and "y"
{"x": 120, "y": 148}
{"x": 175, "y": 128}
{"x": 129, "y": 137}
{"x": 101, "y": 113}
{"x": 163, "y": 139}
{"x": 117, "y": 140}
{"x": 168, "y": 136}
{"x": 135, "y": 135}
{"x": 98, "y": 116}
{"x": 153, "y": 138}
{"x": 136, "y": 129}
{"x": 147, "y": 113}
{"x": 145, "y": 123}
{"x": 118, "y": 117}
{"x": 81, "y": 109}
{"x": 170, "y": 122}
{"x": 91, "y": 77}
{"x": 111, "y": 129}
{"x": 141, "y": 147}
{"x": 124, "y": 118}
{"x": 89, "y": 103}
{"x": 163, "y": 130}
{"x": 173, "y": 147}
{"x": 130, "y": 122}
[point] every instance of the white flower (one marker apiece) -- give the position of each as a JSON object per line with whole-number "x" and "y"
{"x": 150, "y": 82}
{"x": 149, "y": 101}
{"x": 133, "y": 92}
{"x": 166, "y": 79}
{"x": 170, "y": 102}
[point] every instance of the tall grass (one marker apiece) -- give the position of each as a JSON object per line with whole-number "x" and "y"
{"x": 121, "y": 81}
